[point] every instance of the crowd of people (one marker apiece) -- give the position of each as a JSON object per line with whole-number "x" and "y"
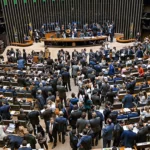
{"x": 88, "y": 115}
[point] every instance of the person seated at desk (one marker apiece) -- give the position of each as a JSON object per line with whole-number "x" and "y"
{"x": 110, "y": 78}
{"x": 128, "y": 100}
{"x": 141, "y": 71}
{"x": 64, "y": 35}
{"x": 143, "y": 99}
{"x": 117, "y": 78}
{"x": 122, "y": 115}
{"x": 145, "y": 112}
{"x": 2, "y": 89}
{"x": 115, "y": 88}
{"x": 145, "y": 85}
{"x": 133, "y": 113}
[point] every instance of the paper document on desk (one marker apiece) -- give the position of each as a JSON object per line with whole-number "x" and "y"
{"x": 12, "y": 112}
{"x": 126, "y": 110}
{"x": 11, "y": 128}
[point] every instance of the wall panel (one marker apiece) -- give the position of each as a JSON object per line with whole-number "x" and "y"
{"x": 123, "y": 12}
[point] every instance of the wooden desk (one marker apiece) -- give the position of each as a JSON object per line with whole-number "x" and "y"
{"x": 71, "y": 40}
{"x": 27, "y": 43}
{"x": 143, "y": 145}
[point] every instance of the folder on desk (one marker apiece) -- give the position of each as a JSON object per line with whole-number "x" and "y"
{"x": 11, "y": 128}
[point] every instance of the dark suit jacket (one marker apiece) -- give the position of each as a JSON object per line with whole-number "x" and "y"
{"x": 95, "y": 124}
{"x": 62, "y": 124}
{"x": 66, "y": 76}
{"x": 22, "y": 116}
{"x": 142, "y": 134}
{"x": 129, "y": 138}
{"x": 15, "y": 141}
{"x": 55, "y": 128}
{"x": 47, "y": 114}
{"x": 81, "y": 124}
{"x": 96, "y": 99}
{"x": 74, "y": 116}
{"x": 31, "y": 140}
{"x": 128, "y": 101}
{"x": 62, "y": 91}
{"x": 34, "y": 117}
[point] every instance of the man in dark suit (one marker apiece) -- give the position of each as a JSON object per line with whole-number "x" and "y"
{"x": 111, "y": 33}
{"x": 40, "y": 99}
{"x": 74, "y": 116}
{"x": 95, "y": 126}
{"x": 99, "y": 114}
{"x": 73, "y": 139}
{"x": 118, "y": 129}
{"x": 47, "y": 88}
{"x": 86, "y": 141}
{"x": 139, "y": 53}
{"x": 110, "y": 96}
{"x": 66, "y": 79}
{"x": 131, "y": 85}
{"x": 13, "y": 141}
{"x": 24, "y": 146}
{"x": 4, "y": 111}
{"x": 62, "y": 92}
{"x": 34, "y": 119}
{"x": 108, "y": 133}
{"x": 81, "y": 123}
{"x": 30, "y": 139}
{"x": 96, "y": 99}
{"x": 142, "y": 133}
{"x": 51, "y": 129}
{"x": 62, "y": 126}
{"x": 129, "y": 137}
{"x": 128, "y": 100}
{"x": 104, "y": 89}
{"x": 47, "y": 114}
{"x": 22, "y": 115}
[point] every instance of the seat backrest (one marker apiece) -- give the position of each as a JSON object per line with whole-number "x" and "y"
{"x": 141, "y": 79}
{"x": 14, "y": 83}
{"x": 8, "y": 94}
{"x": 15, "y": 107}
{"x": 6, "y": 122}
{"x": 136, "y": 91}
{"x": 148, "y": 78}
{"x": 26, "y": 107}
{"x": 117, "y": 106}
{"x": 6, "y": 83}
{"x": 119, "y": 81}
{"x": 20, "y": 95}
{"x": 28, "y": 95}
{"x": 134, "y": 120}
